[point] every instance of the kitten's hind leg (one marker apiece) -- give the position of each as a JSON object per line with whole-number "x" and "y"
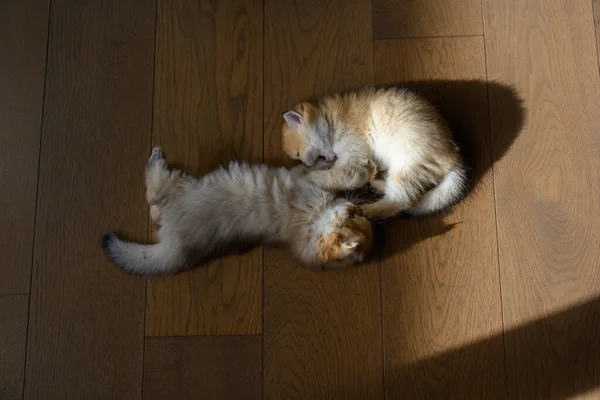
{"x": 156, "y": 173}
{"x": 157, "y": 163}
{"x": 158, "y": 177}
{"x": 157, "y": 155}
{"x": 387, "y": 207}
{"x": 400, "y": 194}
{"x": 350, "y": 175}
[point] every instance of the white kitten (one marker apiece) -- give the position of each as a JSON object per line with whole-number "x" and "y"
{"x": 246, "y": 204}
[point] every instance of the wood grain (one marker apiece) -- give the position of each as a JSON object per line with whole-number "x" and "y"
{"x": 23, "y": 40}
{"x": 395, "y": 19}
{"x": 207, "y": 111}
{"x": 13, "y": 337}
{"x": 322, "y": 331}
{"x": 440, "y": 285}
{"x": 86, "y": 321}
{"x": 596, "y": 10}
{"x": 206, "y": 367}
{"x": 546, "y": 192}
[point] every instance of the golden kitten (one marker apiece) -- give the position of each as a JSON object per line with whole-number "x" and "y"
{"x": 397, "y": 130}
{"x": 231, "y": 208}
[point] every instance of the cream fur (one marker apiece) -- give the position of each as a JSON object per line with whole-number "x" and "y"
{"x": 239, "y": 206}
{"x": 400, "y": 132}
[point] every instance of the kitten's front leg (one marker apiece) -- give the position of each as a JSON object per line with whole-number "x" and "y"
{"x": 321, "y": 164}
{"x": 299, "y": 170}
{"x": 351, "y": 175}
{"x": 377, "y": 187}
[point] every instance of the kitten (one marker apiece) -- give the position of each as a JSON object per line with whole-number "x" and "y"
{"x": 399, "y": 131}
{"x": 245, "y": 204}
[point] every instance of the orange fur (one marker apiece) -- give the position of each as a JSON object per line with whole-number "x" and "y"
{"x": 154, "y": 214}
{"x": 351, "y": 230}
{"x": 402, "y": 133}
{"x": 292, "y": 142}
{"x": 157, "y": 190}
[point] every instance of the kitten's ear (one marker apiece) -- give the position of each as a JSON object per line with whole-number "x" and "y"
{"x": 350, "y": 245}
{"x": 293, "y": 119}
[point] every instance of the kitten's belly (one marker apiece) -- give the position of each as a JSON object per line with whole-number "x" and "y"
{"x": 383, "y": 151}
{"x": 394, "y": 152}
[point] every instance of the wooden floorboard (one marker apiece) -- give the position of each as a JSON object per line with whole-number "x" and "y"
{"x": 596, "y": 10}
{"x": 497, "y": 299}
{"x": 86, "y": 320}
{"x": 23, "y": 40}
{"x": 440, "y": 284}
{"x": 322, "y": 331}
{"x": 13, "y": 337}
{"x": 395, "y": 19}
{"x": 203, "y": 367}
{"x": 546, "y": 194}
{"x": 207, "y": 112}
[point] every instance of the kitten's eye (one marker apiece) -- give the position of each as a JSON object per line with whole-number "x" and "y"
{"x": 351, "y": 215}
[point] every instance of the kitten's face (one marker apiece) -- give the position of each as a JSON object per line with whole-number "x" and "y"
{"x": 348, "y": 236}
{"x": 304, "y": 136}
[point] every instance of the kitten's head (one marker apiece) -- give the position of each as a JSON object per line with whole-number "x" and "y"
{"x": 305, "y": 135}
{"x": 347, "y": 236}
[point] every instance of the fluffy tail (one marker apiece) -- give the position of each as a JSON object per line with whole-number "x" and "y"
{"x": 142, "y": 259}
{"x": 448, "y": 192}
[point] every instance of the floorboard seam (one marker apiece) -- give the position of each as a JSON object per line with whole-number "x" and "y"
{"x": 262, "y": 250}
{"x": 149, "y": 224}
{"x": 426, "y": 37}
{"x": 492, "y": 170}
{"x": 595, "y": 34}
{"x": 37, "y": 194}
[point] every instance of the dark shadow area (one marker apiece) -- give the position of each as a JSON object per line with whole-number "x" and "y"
{"x": 551, "y": 358}
{"x": 485, "y": 119}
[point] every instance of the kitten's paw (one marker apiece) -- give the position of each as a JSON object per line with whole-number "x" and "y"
{"x": 372, "y": 168}
{"x": 362, "y": 211}
{"x": 377, "y": 186}
{"x": 300, "y": 169}
{"x": 369, "y": 170}
{"x": 157, "y": 155}
{"x": 370, "y": 212}
{"x": 322, "y": 164}
{"x": 158, "y": 152}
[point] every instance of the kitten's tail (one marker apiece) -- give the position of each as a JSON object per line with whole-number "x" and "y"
{"x": 447, "y": 193}
{"x": 143, "y": 259}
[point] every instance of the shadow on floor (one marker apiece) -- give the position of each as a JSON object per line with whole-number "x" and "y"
{"x": 485, "y": 119}
{"x": 551, "y": 358}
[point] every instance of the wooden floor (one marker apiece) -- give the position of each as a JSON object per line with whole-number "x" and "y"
{"x": 498, "y": 299}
